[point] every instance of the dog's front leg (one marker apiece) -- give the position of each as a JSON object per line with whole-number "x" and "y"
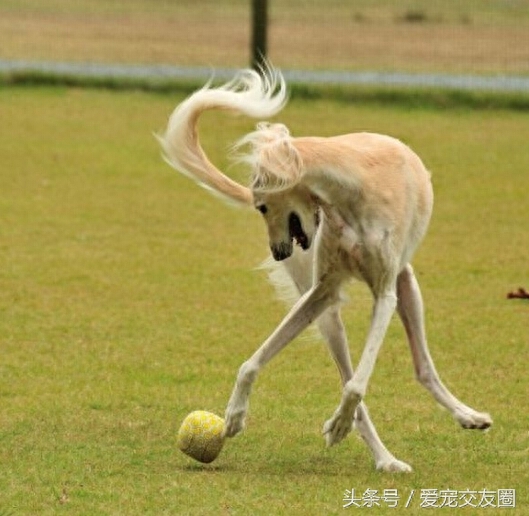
{"x": 332, "y": 328}
{"x": 306, "y": 310}
{"x": 340, "y": 424}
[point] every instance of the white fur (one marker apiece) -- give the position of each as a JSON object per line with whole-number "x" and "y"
{"x": 359, "y": 204}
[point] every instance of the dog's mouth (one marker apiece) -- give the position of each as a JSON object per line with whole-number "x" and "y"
{"x": 283, "y": 250}
{"x": 296, "y": 232}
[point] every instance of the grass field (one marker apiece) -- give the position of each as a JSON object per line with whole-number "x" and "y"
{"x": 127, "y": 299}
{"x": 478, "y": 36}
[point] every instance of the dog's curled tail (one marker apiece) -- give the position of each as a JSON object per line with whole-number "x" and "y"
{"x": 249, "y": 93}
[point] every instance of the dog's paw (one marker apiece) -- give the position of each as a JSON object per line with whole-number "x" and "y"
{"x": 470, "y": 419}
{"x": 338, "y": 427}
{"x": 341, "y": 423}
{"x": 234, "y": 423}
{"x": 393, "y": 465}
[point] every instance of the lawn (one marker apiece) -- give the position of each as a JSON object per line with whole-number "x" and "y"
{"x": 479, "y": 36}
{"x": 128, "y": 299}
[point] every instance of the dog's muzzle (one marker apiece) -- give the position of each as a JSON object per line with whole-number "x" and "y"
{"x": 281, "y": 251}
{"x": 284, "y": 250}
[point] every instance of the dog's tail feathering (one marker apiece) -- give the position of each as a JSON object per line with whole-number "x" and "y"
{"x": 251, "y": 94}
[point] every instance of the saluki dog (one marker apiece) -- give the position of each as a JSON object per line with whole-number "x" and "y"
{"x": 336, "y": 208}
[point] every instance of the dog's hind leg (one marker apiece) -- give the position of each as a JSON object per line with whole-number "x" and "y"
{"x": 411, "y": 311}
{"x": 305, "y": 311}
{"x": 331, "y": 327}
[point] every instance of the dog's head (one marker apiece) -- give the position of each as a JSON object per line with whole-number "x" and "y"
{"x": 291, "y": 217}
{"x": 288, "y": 207}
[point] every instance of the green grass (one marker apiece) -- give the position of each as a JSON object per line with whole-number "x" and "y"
{"x": 127, "y": 299}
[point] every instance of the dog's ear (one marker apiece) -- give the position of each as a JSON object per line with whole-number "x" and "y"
{"x": 280, "y": 164}
{"x": 274, "y": 159}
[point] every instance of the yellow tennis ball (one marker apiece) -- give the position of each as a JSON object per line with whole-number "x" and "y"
{"x": 201, "y": 436}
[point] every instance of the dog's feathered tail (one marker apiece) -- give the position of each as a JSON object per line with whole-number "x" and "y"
{"x": 250, "y": 93}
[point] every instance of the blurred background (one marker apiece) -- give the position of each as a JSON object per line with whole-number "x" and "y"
{"x": 446, "y": 36}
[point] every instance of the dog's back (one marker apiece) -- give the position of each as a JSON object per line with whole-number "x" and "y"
{"x": 378, "y": 179}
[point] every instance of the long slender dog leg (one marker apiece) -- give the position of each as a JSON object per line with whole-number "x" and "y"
{"x": 332, "y": 329}
{"x": 410, "y": 309}
{"x": 336, "y": 428}
{"x": 306, "y": 310}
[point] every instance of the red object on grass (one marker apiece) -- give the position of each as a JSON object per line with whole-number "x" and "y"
{"x": 521, "y": 293}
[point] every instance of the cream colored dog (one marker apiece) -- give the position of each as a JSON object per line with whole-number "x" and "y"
{"x": 358, "y": 206}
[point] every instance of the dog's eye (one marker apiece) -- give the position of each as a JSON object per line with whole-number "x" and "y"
{"x": 262, "y": 208}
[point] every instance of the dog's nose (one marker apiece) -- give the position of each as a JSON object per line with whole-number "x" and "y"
{"x": 281, "y": 251}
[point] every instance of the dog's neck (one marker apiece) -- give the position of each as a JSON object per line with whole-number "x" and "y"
{"x": 347, "y": 236}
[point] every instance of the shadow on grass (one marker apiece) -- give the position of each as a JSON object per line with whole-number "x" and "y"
{"x": 328, "y": 464}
